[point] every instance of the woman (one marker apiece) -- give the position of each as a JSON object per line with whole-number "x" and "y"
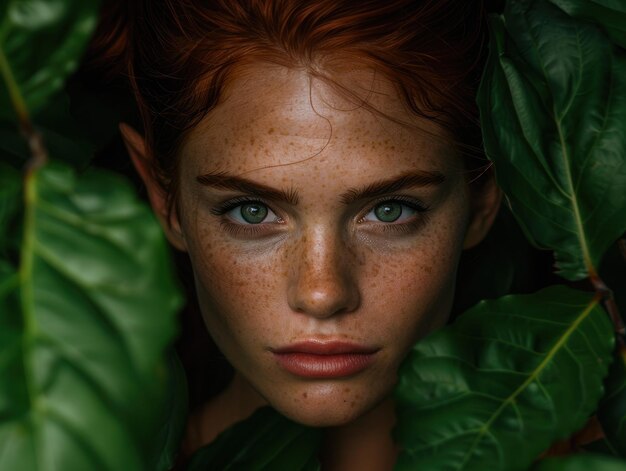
{"x": 318, "y": 162}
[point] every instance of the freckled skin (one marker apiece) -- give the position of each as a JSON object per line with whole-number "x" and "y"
{"x": 321, "y": 272}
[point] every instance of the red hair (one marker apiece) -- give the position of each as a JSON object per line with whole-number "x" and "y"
{"x": 178, "y": 55}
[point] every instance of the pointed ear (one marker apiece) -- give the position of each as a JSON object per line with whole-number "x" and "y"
{"x": 137, "y": 149}
{"x": 485, "y": 203}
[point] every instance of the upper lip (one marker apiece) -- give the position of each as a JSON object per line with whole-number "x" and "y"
{"x": 317, "y": 347}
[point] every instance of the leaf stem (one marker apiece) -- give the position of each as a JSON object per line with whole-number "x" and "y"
{"x": 610, "y": 305}
{"x": 39, "y": 154}
{"x": 27, "y": 295}
{"x": 19, "y": 105}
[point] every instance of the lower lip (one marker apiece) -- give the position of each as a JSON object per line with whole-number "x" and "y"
{"x": 309, "y": 365}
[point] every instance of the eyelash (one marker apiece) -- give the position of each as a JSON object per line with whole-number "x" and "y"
{"x": 401, "y": 227}
{"x": 231, "y": 204}
{"x": 415, "y": 223}
{"x": 235, "y": 228}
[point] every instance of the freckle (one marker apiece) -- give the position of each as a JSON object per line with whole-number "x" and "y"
{"x": 305, "y": 395}
{"x": 352, "y": 404}
{"x": 252, "y": 140}
{"x": 346, "y": 390}
{"x": 271, "y": 131}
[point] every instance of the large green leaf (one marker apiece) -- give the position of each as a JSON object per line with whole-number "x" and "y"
{"x": 84, "y": 324}
{"x": 581, "y": 462}
{"x": 264, "y": 441}
{"x": 497, "y": 387}
{"x": 41, "y": 42}
{"x": 610, "y": 14}
{"x": 553, "y": 108}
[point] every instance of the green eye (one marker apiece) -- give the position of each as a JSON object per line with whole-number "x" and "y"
{"x": 388, "y": 212}
{"x": 253, "y": 213}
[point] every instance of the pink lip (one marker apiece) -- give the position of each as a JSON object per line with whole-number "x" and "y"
{"x": 315, "y": 359}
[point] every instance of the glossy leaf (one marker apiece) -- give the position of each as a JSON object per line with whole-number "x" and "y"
{"x": 508, "y": 378}
{"x": 84, "y": 324}
{"x": 553, "y": 108}
{"x": 581, "y": 462}
{"x": 610, "y": 14}
{"x": 264, "y": 441}
{"x": 41, "y": 42}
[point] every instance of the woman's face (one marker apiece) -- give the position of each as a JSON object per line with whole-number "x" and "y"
{"x": 324, "y": 237}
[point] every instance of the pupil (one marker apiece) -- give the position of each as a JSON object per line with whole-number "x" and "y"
{"x": 388, "y": 212}
{"x": 253, "y": 213}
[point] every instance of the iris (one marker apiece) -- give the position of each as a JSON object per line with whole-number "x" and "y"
{"x": 253, "y": 213}
{"x": 389, "y": 211}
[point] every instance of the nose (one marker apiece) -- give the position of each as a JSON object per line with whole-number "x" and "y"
{"x": 321, "y": 281}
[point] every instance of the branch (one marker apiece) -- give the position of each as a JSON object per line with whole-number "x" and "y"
{"x": 610, "y": 305}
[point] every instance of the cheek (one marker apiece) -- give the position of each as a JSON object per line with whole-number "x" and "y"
{"x": 410, "y": 292}
{"x": 236, "y": 288}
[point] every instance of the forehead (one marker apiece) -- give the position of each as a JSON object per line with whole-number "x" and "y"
{"x": 271, "y": 115}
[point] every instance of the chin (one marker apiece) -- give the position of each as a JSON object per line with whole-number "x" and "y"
{"x": 321, "y": 417}
{"x": 327, "y": 406}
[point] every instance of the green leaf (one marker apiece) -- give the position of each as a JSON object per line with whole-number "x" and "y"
{"x": 581, "y": 462}
{"x": 84, "y": 324}
{"x": 41, "y": 43}
{"x": 264, "y": 441}
{"x": 553, "y": 108}
{"x": 612, "y": 408}
{"x": 610, "y": 14}
{"x": 508, "y": 378}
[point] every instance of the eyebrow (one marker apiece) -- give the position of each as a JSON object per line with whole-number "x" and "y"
{"x": 225, "y": 181}
{"x": 419, "y": 178}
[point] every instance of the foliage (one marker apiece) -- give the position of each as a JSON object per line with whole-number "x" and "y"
{"x": 472, "y": 394}
{"x": 609, "y": 14}
{"x": 266, "y": 440}
{"x": 87, "y": 300}
{"x": 554, "y": 104}
{"x": 582, "y": 462}
{"x": 79, "y": 330}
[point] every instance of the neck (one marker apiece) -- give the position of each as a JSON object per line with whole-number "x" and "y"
{"x": 364, "y": 444}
